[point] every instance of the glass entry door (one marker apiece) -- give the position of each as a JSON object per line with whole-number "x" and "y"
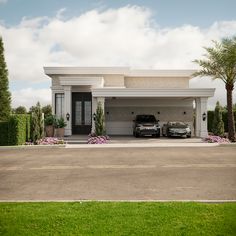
{"x": 81, "y": 113}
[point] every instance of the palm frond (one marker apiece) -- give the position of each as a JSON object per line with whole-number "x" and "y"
{"x": 219, "y": 61}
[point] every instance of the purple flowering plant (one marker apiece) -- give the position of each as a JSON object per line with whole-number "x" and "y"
{"x": 47, "y": 141}
{"x": 215, "y": 139}
{"x": 94, "y": 139}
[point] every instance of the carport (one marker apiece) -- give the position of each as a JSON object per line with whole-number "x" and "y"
{"x": 121, "y": 105}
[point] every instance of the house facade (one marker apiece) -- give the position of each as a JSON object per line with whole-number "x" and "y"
{"x": 125, "y": 93}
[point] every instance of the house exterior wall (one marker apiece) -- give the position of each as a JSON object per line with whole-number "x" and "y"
{"x": 113, "y": 80}
{"x": 136, "y": 82}
{"x": 124, "y": 93}
{"x": 156, "y": 82}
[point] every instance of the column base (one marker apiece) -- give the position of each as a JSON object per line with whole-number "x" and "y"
{"x": 68, "y": 132}
{"x": 203, "y": 134}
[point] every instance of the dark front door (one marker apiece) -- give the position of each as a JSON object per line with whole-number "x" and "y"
{"x": 81, "y": 113}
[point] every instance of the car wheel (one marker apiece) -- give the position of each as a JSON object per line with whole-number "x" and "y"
{"x": 136, "y": 135}
{"x": 189, "y": 136}
{"x": 158, "y": 135}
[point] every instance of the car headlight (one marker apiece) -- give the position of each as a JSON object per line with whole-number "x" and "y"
{"x": 139, "y": 126}
{"x": 188, "y": 129}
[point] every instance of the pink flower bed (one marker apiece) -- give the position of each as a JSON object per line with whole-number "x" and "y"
{"x": 93, "y": 139}
{"x": 47, "y": 141}
{"x": 215, "y": 139}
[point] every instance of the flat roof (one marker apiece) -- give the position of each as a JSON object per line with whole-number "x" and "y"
{"x": 126, "y": 71}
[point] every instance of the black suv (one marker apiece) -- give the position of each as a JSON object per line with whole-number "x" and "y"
{"x": 146, "y": 125}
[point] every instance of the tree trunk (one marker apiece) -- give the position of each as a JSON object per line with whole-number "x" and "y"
{"x": 231, "y": 128}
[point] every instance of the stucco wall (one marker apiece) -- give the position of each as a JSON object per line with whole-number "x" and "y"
{"x": 156, "y": 82}
{"x": 55, "y": 81}
{"x": 113, "y": 81}
{"x": 136, "y": 82}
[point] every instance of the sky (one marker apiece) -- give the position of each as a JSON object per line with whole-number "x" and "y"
{"x": 142, "y": 34}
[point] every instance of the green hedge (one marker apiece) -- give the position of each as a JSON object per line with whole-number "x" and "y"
{"x": 3, "y": 133}
{"x": 224, "y": 118}
{"x": 15, "y": 131}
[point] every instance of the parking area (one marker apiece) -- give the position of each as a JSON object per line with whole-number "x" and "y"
{"x": 173, "y": 173}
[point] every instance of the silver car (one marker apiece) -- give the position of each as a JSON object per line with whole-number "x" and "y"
{"x": 176, "y": 129}
{"x": 146, "y": 125}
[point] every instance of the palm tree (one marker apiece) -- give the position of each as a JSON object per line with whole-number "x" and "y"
{"x": 220, "y": 63}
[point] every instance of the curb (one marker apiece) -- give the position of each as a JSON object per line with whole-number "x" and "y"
{"x": 141, "y": 145}
{"x": 119, "y": 145}
{"x": 138, "y": 200}
{"x": 33, "y": 146}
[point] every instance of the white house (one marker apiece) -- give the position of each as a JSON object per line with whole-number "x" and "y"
{"x": 124, "y": 93}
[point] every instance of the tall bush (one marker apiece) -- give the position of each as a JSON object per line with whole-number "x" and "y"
{"x": 3, "y": 133}
{"x": 218, "y": 124}
{"x": 47, "y": 110}
{"x": 15, "y": 131}
{"x": 99, "y": 120}
{"x": 20, "y": 110}
{"x": 37, "y": 126}
{"x": 5, "y": 96}
{"x": 210, "y": 118}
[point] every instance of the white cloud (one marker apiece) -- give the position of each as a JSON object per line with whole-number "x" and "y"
{"x": 126, "y": 36}
{"x": 29, "y": 97}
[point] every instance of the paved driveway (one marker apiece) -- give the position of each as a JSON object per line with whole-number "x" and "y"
{"x": 118, "y": 174}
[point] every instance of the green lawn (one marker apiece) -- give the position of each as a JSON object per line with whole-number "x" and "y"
{"x": 117, "y": 218}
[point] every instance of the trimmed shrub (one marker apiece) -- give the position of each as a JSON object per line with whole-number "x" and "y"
{"x": 28, "y": 128}
{"x": 99, "y": 121}
{"x": 218, "y": 124}
{"x": 210, "y": 115}
{"x": 19, "y": 129}
{"x": 210, "y": 118}
{"x": 37, "y": 124}
{"x": 3, "y": 133}
{"x": 16, "y": 131}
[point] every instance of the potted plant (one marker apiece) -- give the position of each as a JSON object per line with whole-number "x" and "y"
{"x": 49, "y": 125}
{"x": 60, "y": 127}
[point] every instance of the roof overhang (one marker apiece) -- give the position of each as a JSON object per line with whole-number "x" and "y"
{"x": 136, "y": 92}
{"x": 126, "y": 71}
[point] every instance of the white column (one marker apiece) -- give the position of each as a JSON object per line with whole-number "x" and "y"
{"x": 67, "y": 108}
{"x": 53, "y": 102}
{"x": 201, "y": 125}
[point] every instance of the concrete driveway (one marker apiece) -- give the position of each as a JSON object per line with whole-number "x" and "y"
{"x": 182, "y": 173}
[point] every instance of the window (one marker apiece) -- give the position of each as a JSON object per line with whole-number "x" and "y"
{"x": 59, "y": 108}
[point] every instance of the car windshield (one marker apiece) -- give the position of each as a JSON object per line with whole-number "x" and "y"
{"x": 176, "y": 123}
{"x": 145, "y": 118}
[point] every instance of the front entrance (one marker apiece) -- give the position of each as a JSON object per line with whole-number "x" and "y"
{"x": 81, "y": 113}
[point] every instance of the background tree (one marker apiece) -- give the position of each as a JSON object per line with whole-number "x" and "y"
{"x": 47, "y": 110}
{"x": 218, "y": 124}
{"x": 220, "y": 63}
{"x": 234, "y": 108}
{"x": 99, "y": 120}
{"x": 20, "y": 110}
{"x": 5, "y": 96}
{"x": 37, "y": 126}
